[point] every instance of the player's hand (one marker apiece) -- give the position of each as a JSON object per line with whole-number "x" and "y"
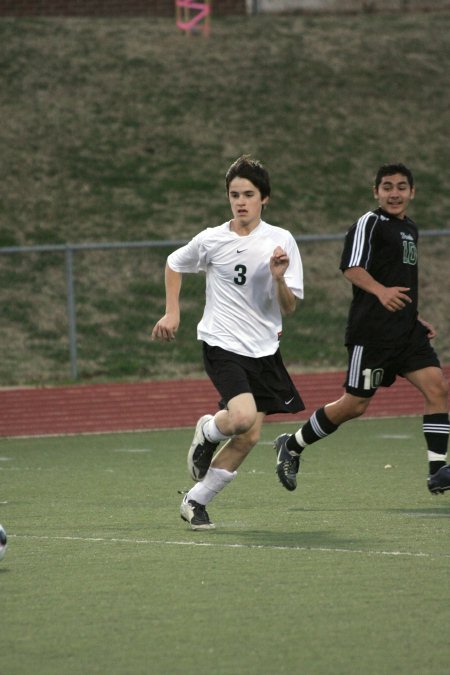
{"x": 279, "y": 262}
{"x": 166, "y": 328}
{"x": 394, "y": 298}
{"x": 431, "y": 331}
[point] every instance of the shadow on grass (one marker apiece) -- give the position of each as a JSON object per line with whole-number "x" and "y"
{"x": 337, "y": 509}
{"x": 431, "y": 512}
{"x": 307, "y": 540}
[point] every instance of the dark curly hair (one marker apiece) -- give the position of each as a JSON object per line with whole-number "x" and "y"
{"x": 253, "y": 170}
{"x": 390, "y": 170}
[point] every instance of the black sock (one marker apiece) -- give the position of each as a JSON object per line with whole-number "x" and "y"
{"x": 318, "y": 426}
{"x": 436, "y": 429}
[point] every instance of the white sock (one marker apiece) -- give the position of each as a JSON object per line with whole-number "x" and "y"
{"x": 299, "y": 438}
{"x": 212, "y": 432}
{"x": 435, "y": 457}
{"x": 214, "y": 481}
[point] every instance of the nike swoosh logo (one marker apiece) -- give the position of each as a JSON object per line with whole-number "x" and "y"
{"x": 241, "y": 251}
{"x": 290, "y": 401}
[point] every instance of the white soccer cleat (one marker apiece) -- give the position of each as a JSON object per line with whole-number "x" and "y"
{"x": 195, "y": 514}
{"x": 201, "y": 451}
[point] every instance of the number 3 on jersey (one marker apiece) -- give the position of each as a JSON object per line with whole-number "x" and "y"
{"x": 240, "y": 279}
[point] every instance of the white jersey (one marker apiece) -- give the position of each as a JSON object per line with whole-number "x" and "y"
{"x": 242, "y": 313}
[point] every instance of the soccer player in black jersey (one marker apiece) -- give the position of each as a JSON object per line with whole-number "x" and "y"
{"x": 385, "y": 335}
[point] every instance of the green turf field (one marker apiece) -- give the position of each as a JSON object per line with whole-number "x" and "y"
{"x": 349, "y": 574}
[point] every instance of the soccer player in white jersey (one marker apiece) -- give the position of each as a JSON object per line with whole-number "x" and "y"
{"x": 254, "y": 275}
{"x": 385, "y": 335}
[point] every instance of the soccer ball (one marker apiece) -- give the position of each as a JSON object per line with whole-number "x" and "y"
{"x": 3, "y": 542}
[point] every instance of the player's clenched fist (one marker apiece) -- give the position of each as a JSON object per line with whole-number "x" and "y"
{"x": 165, "y": 329}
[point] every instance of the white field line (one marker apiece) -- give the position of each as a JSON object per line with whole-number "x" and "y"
{"x": 146, "y": 430}
{"x": 212, "y": 544}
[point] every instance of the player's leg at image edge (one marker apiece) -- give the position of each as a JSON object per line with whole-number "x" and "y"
{"x": 439, "y": 482}
{"x": 288, "y": 448}
{"x": 436, "y": 428}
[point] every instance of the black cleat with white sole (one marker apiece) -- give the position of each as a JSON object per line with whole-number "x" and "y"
{"x": 288, "y": 463}
{"x": 439, "y": 482}
{"x": 195, "y": 514}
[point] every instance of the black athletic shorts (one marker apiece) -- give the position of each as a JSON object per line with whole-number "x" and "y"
{"x": 266, "y": 378}
{"x": 372, "y": 366}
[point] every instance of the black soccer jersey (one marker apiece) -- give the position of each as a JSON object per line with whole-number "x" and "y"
{"x": 386, "y": 247}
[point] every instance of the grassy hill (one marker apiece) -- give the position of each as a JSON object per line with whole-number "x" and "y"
{"x": 119, "y": 130}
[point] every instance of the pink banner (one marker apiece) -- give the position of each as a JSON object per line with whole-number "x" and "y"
{"x": 202, "y": 8}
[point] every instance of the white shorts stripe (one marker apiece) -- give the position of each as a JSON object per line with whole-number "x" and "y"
{"x": 355, "y": 366}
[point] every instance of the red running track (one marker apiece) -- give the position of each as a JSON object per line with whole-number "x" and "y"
{"x": 162, "y": 404}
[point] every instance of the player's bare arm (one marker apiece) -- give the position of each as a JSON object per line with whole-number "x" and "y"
{"x": 393, "y": 298}
{"x": 166, "y": 328}
{"x": 279, "y": 262}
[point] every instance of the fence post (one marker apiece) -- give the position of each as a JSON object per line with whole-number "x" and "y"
{"x": 71, "y": 313}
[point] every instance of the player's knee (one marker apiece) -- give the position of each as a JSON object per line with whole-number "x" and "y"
{"x": 242, "y": 417}
{"x": 243, "y": 422}
{"x": 444, "y": 386}
{"x": 437, "y": 390}
{"x": 355, "y": 408}
{"x": 362, "y": 406}
{"x": 348, "y": 407}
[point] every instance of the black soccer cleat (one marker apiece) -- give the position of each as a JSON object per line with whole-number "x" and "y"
{"x": 196, "y": 515}
{"x": 288, "y": 463}
{"x": 439, "y": 482}
{"x": 201, "y": 451}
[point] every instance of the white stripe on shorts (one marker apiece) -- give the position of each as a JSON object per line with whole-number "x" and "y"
{"x": 355, "y": 366}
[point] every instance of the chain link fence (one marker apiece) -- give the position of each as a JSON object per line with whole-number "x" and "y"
{"x": 344, "y": 6}
{"x": 86, "y": 311}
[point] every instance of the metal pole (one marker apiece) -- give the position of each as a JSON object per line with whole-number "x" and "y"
{"x": 71, "y": 313}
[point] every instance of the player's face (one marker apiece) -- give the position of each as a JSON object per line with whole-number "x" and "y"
{"x": 394, "y": 194}
{"x": 246, "y": 203}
